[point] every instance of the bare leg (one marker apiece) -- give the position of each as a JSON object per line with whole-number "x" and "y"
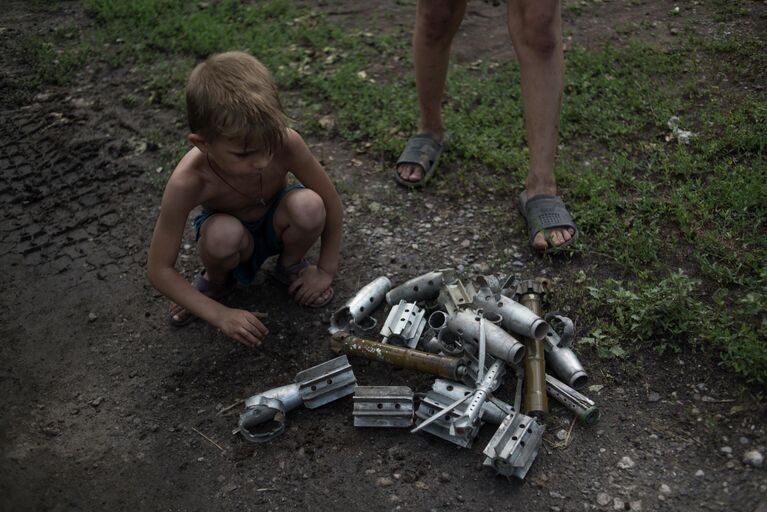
{"x": 436, "y": 24}
{"x": 536, "y": 31}
{"x": 224, "y": 243}
{"x": 298, "y": 222}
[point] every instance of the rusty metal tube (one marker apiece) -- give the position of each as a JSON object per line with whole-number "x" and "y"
{"x": 536, "y": 402}
{"x": 343, "y": 342}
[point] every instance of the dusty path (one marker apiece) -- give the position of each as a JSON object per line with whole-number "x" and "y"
{"x": 104, "y": 405}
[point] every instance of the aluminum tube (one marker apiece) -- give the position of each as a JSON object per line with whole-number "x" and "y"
{"x": 583, "y": 407}
{"x": 361, "y": 305}
{"x": 423, "y": 287}
{"x": 499, "y": 343}
{"x": 516, "y": 318}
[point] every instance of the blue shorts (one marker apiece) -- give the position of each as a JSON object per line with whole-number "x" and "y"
{"x": 265, "y": 242}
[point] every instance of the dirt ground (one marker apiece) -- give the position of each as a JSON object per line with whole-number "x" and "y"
{"x": 105, "y": 406}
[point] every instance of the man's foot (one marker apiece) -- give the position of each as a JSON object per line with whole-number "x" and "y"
{"x": 418, "y": 161}
{"x": 550, "y": 225}
{"x": 286, "y": 276}
{"x": 216, "y": 291}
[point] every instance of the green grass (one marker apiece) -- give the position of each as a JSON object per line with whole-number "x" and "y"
{"x": 643, "y": 202}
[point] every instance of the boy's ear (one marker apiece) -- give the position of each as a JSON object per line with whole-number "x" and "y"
{"x": 199, "y": 141}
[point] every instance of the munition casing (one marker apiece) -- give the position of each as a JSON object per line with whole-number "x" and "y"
{"x": 515, "y": 317}
{"x": 425, "y": 287}
{"x": 536, "y": 402}
{"x": 443, "y": 366}
{"x": 500, "y": 343}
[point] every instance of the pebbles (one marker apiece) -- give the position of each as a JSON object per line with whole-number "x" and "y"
{"x": 753, "y": 458}
{"x": 626, "y": 463}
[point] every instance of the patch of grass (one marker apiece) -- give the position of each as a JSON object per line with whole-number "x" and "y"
{"x": 52, "y": 63}
{"x": 670, "y": 314}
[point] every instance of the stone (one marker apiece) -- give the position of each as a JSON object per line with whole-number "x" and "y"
{"x": 699, "y": 473}
{"x": 384, "y": 482}
{"x": 753, "y": 458}
{"x": 664, "y": 489}
{"x": 603, "y": 498}
{"x": 626, "y": 463}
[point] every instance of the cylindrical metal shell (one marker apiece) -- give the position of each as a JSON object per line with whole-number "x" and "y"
{"x": 423, "y": 287}
{"x": 536, "y": 402}
{"x": 449, "y": 367}
{"x": 361, "y": 305}
{"x": 500, "y": 343}
{"x": 516, "y": 318}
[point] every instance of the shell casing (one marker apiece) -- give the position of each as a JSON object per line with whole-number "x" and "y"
{"x": 343, "y": 342}
{"x": 536, "y": 402}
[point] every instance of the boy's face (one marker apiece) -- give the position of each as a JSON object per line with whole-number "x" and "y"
{"x": 236, "y": 155}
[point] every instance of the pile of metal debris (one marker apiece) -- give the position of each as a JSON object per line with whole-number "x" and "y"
{"x": 464, "y": 333}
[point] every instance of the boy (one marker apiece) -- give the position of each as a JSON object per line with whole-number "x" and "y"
{"x": 237, "y": 171}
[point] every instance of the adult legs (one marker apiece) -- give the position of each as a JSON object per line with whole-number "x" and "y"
{"x": 536, "y": 33}
{"x": 436, "y": 24}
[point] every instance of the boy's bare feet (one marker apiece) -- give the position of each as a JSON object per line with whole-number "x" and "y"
{"x": 308, "y": 284}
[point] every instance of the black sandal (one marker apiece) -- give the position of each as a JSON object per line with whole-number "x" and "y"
{"x": 543, "y": 212}
{"x": 421, "y": 149}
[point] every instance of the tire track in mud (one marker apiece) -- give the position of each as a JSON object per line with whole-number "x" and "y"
{"x": 61, "y": 196}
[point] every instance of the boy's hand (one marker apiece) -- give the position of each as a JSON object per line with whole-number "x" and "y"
{"x": 310, "y": 285}
{"x": 243, "y": 326}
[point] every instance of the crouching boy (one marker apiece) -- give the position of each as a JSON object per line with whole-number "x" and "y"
{"x": 237, "y": 171}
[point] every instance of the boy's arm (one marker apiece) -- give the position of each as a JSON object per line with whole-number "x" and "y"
{"x": 181, "y": 195}
{"x": 308, "y": 170}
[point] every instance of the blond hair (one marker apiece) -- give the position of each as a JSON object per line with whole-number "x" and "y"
{"x": 233, "y": 95}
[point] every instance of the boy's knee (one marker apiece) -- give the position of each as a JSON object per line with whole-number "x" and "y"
{"x": 306, "y": 210}
{"x": 221, "y": 235}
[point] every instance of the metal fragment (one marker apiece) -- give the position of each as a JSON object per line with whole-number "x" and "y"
{"x": 383, "y": 406}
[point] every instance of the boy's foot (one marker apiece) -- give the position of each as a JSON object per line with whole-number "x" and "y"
{"x": 418, "y": 161}
{"x": 550, "y": 225}
{"x": 180, "y": 316}
{"x": 286, "y": 276}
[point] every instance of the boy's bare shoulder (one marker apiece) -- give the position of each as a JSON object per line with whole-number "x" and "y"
{"x": 293, "y": 146}
{"x": 187, "y": 182}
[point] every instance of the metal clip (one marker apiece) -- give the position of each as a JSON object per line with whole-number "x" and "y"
{"x": 383, "y": 406}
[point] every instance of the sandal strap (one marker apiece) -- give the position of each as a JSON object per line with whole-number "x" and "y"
{"x": 545, "y": 212}
{"x": 421, "y": 149}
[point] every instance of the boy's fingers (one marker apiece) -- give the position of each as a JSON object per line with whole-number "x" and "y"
{"x": 260, "y": 314}
{"x": 257, "y": 328}
{"x": 295, "y": 285}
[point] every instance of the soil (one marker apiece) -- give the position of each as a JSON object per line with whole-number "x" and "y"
{"x": 105, "y": 406}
